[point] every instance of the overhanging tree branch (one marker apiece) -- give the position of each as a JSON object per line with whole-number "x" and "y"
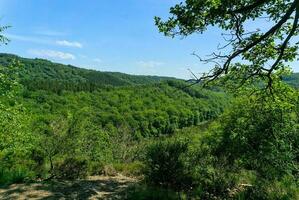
{"x": 224, "y": 69}
{"x": 283, "y": 48}
{"x": 250, "y": 7}
{"x": 256, "y": 49}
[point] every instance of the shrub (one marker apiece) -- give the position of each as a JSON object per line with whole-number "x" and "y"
{"x": 109, "y": 170}
{"x": 15, "y": 175}
{"x": 144, "y": 192}
{"x": 130, "y": 169}
{"x": 165, "y": 165}
{"x": 261, "y": 133}
{"x": 287, "y": 188}
{"x": 72, "y": 168}
{"x": 95, "y": 168}
{"x": 212, "y": 182}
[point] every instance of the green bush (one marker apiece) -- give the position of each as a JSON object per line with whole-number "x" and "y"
{"x": 144, "y": 192}
{"x": 15, "y": 175}
{"x": 261, "y": 133}
{"x": 95, "y": 168}
{"x": 130, "y": 169}
{"x": 285, "y": 189}
{"x": 165, "y": 165}
{"x": 71, "y": 169}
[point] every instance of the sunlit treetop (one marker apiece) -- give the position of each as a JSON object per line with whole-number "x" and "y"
{"x": 263, "y": 52}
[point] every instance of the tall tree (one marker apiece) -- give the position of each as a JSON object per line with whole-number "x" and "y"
{"x": 263, "y": 51}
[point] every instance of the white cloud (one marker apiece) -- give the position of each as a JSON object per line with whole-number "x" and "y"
{"x": 27, "y": 39}
{"x": 52, "y": 54}
{"x": 149, "y": 64}
{"x": 69, "y": 44}
{"x": 41, "y": 40}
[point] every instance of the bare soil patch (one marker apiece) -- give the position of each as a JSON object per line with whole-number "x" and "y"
{"x": 95, "y": 187}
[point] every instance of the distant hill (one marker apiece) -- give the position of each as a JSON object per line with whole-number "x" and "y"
{"x": 44, "y": 74}
{"x": 292, "y": 80}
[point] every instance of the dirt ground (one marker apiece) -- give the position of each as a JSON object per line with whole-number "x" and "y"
{"x": 95, "y": 187}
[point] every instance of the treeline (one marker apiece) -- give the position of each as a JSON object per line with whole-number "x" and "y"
{"x": 41, "y": 71}
{"x": 58, "y": 86}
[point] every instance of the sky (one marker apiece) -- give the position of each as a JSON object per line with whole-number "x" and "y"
{"x": 105, "y": 35}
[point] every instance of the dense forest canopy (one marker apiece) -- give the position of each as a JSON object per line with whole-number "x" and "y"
{"x": 148, "y": 105}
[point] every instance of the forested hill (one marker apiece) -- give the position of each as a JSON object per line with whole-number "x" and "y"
{"x": 145, "y": 105}
{"x": 44, "y": 74}
{"x": 292, "y": 80}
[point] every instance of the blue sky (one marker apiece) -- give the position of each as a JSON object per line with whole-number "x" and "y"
{"x": 104, "y": 35}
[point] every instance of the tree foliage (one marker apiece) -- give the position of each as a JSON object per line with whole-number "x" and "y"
{"x": 16, "y": 140}
{"x": 261, "y": 133}
{"x": 3, "y": 39}
{"x": 166, "y": 167}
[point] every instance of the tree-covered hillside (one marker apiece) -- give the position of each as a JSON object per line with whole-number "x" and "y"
{"x": 145, "y": 105}
{"x": 44, "y": 74}
{"x": 70, "y": 114}
{"x": 292, "y": 80}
